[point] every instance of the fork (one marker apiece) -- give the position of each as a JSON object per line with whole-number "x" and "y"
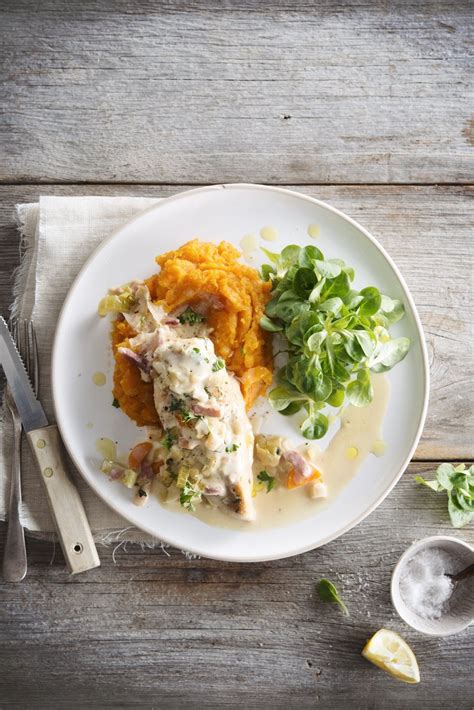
{"x": 14, "y": 555}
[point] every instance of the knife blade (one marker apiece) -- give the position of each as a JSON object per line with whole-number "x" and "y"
{"x": 29, "y": 408}
{"x": 63, "y": 497}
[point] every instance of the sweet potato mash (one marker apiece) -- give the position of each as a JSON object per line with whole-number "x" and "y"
{"x": 232, "y": 296}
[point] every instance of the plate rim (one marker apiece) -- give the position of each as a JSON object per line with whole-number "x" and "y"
{"x": 424, "y": 352}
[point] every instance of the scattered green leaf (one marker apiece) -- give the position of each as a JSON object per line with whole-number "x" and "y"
{"x": 458, "y": 483}
{"x": 328, "y": 593}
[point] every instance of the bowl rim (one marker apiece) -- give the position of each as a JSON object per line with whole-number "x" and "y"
{"x": 162, "y": 203}
{"x": 395, "y": 580}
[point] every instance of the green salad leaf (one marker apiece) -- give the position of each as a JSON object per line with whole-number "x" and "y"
{"x": 328, "y": 593}
{"x": 335, "y": 336}
{"x": 458, "y": 482}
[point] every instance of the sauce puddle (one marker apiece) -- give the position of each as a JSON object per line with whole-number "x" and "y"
{"x": 358, "y": 436}
{"x": 106, "y": 448}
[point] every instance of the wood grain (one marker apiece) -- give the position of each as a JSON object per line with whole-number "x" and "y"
{"x": 172, "y": 94}
{"x": 427, "y": 230}
{"x": 192, "y": 92}
{"x": 167, "y": 632}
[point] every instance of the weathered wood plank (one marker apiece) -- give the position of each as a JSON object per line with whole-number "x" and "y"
{"x": 428, "y": 232}
{"x": 189, "y": 92}
{"x": 166, "y": 632}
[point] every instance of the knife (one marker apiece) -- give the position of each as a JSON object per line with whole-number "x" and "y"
{"x": 63, "y": 497}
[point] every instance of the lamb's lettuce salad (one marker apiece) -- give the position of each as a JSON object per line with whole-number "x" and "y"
{"x": 335, "y": 336}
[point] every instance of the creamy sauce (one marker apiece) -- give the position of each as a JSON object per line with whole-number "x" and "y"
{"x": 275, "y": 509}
{"x": 359, "y": 433}
{"x": 248, "y": 244}
{"x": 270, "y": 234}
{"x": 360, "y": 429}
{"x": 106, "y": 448}
{"x": 99, "y": 379}
{"x": 314, "y": 231}
{"x": 379, "y": 447}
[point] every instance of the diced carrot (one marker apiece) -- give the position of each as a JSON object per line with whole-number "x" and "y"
{"x": 138, "y": 454}
{"x": 293, "y": 477}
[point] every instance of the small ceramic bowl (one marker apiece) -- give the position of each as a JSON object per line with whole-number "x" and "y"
{"x": 461, "y": 607}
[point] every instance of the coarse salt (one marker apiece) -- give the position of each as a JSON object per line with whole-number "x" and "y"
{"x": 424, "y": 586}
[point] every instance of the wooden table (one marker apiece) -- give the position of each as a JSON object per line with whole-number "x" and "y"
{"x": 364, "y": 105}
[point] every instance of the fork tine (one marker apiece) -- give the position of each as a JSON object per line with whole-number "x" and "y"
{"x": 34, "y": 359}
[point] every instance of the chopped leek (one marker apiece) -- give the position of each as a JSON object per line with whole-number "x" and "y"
{"x": 129, "y": 477}
{"x": 107, "y": 466}
{"x": 116, "y": 304}
{"x": 183, "y": 475}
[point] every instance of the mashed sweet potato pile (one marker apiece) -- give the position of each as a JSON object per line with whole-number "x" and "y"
{"x": 210, "y": 279}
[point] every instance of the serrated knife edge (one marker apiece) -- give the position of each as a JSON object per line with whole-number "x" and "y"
{"x": 29, "y": 408}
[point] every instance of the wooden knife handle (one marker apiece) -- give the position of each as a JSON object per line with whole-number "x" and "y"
{"x": 64, "y": 501}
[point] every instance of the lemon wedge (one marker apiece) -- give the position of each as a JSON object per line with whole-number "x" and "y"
{"x": 389, "y": 651}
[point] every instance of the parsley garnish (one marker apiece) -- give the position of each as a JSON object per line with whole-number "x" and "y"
{"x": 189, "y": 495}
{"x": 265, "y": 477}
{"x": 169, "y": 440}
{"x": 191, "y": 317}
{"x": 188, "y": 416}
{"x": 218, "y": 365}
{"x": 231, "y": 448}
{"x": 177, "y": 405}
{"x": 115, "y": 403}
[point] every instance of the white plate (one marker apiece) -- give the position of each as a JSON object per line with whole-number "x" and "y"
{"x": 81, "y": 347}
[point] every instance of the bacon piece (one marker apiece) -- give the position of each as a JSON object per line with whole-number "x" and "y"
{"x": 206, "y": 410}
{"x": 138, "y": 360}
{"x": 215, "y": 489}
{"x": 302, "y": 468}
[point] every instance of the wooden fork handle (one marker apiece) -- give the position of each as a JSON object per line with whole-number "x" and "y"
{"x": 64, "y": 501}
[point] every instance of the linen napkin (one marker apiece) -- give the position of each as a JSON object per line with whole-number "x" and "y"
{"x": 57, "y": 235}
